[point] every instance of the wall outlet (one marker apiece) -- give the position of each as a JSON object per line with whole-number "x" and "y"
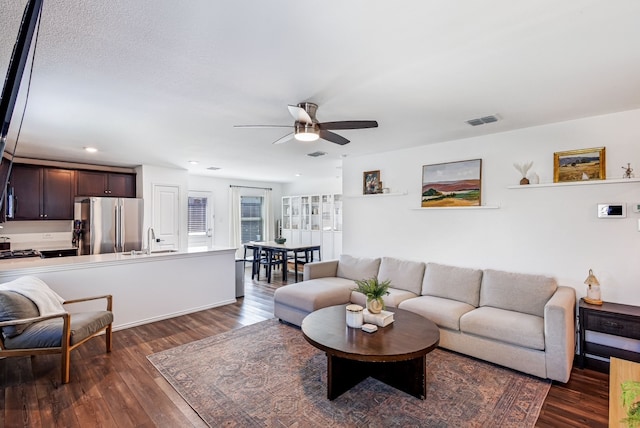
{"x": 47, "y": 236}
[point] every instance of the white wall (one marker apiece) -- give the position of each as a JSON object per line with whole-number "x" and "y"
{"x": 220, "y": 189}
{"x": 326, "y": 186}
{"x": 548, "y": 230}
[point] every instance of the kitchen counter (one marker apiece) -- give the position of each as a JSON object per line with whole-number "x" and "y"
{"x": 28, "y": 265}
{"x": 145, "y": 287}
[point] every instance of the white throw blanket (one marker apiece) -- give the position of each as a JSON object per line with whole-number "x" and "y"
{"x": 47, "y": 300}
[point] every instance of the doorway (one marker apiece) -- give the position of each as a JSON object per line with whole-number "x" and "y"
{"x": 166, "y": 217}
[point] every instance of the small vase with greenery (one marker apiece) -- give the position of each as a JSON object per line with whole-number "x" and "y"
{"x": 374, "y": 290}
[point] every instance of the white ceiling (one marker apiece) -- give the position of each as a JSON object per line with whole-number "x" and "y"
{"x": 163, "y": 82}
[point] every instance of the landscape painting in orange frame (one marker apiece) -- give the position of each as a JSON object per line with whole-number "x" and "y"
{"x": 452, "y": 184}
{"x": 579, "y": 165}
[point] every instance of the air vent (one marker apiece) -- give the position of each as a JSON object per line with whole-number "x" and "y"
{"x": 213, "y": 168}
{"x": 316, "y": 154}
{"x": 482, "y": 120}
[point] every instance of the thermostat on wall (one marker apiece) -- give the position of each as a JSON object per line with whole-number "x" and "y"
{"x": 612, "y": 210}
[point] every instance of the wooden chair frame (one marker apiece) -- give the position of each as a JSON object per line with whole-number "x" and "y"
{"x": 66, "y": 347}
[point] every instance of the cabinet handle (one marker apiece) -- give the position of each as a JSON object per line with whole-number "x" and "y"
{"x": 45, "y": 216}
{"x": 612, "y": 324}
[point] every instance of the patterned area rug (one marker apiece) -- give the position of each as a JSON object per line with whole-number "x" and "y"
{"x": 267, "y": 375}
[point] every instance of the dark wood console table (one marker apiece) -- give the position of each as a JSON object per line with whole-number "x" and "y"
{"x": 614, "y": 319}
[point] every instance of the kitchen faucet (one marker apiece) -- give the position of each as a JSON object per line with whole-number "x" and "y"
{"x": 151, "y": 234}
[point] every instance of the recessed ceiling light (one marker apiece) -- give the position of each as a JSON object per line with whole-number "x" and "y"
{"x": 193, "y": 162}
{"x": 213, "y": 168}
{"x": 91, "y": 149}
{"x": 297, "y": 174}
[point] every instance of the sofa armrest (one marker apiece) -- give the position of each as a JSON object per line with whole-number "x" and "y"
{"x": 324, "y": 269}
{"x": 560, "y": 333}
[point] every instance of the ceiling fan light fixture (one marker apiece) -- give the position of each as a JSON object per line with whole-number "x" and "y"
{"x": 306, "y": 132}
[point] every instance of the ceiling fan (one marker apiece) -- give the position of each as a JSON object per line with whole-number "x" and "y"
{"x": 307, "y": 128}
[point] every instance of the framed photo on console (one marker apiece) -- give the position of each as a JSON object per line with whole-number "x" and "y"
{"x": 452, "y": 184}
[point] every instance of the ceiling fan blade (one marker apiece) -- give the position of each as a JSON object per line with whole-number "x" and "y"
{"x": 263, "y": 126}
{"x": 333, "y": 137}
{"x": 349, "y": 124}
{"x": 284, "y": 139}
{"x": 299, "y": 114}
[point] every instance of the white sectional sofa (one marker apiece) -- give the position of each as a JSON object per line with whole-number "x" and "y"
{"x": 521, "y": 321}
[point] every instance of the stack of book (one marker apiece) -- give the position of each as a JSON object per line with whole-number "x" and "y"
{"x": 382, "y": 319}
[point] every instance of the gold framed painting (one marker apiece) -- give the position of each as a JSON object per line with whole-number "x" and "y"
{"x": 579, "y": 165}
{"x": 371, "y": 183}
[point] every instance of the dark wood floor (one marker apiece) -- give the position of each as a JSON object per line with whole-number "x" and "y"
{"x": 122, "y": 389}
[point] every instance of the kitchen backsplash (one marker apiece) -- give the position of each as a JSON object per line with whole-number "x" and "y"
{"x": 37, "y": 234}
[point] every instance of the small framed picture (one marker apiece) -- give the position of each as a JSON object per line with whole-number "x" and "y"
{"x": 578, "y": 165}
{"x": 452, "y": 184}
{"x": 371, "y": 183}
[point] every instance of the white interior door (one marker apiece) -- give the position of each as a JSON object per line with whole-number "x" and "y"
{"x": 166, "y": 217}
{"x": 200, "y": 221}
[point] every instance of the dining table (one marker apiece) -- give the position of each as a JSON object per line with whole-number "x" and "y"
{"x": 271, "y": 250}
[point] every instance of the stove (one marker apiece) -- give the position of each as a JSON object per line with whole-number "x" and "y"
{"x": 18, "y": 254}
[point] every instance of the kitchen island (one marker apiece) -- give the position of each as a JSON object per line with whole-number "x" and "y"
{"x": 145, "y": 287}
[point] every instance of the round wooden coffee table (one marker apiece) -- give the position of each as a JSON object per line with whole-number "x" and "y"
{"x": 395, "y": 354}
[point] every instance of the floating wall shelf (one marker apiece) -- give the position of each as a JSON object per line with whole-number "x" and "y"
{"x": 577, "y": 183}
{"x": 481, "y": 207}
{"x": 377, "y": 195}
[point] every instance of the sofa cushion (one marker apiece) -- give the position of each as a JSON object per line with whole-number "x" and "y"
{"x": 15, "y": 306}
{"x": 403, "y": 274}
{"x": 392, "y": 300}
{"x": 445, "y": 313}
{"x": 315, "y": 293}
{"x": 506, "y": 326}
{"x": 451, "y": 282}
{"x": 48, "y": 333}
{"x": 357, "y": 267}
{"x": 516, "y": 291}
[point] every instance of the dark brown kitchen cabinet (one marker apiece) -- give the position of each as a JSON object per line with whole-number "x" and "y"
{"x": 41, "y": 193}
{"x": 97, "y": 183}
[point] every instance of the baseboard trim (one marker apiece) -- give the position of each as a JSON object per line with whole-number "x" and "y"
{"x": 171, "y": 315}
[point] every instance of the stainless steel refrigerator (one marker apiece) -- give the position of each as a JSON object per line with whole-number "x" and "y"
{"x": 109, "y": 225}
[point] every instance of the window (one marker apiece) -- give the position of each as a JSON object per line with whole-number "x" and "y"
{"x": 251, "y": 218}
{"x": 197, "y": 216}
